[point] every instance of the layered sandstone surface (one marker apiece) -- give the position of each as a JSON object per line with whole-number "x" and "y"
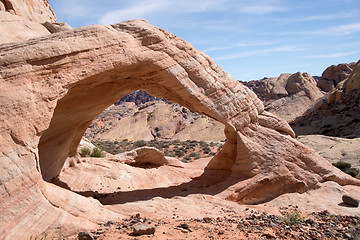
{"x": 287, "y": 96}
{"x": 337, "y": 113}
{"x": 56, "y": 84}
{"x": 153, "y": 120}
{"x": 22, "y": 20}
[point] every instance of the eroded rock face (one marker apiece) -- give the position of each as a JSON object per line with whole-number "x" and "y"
{"x": 336, "y": 114}
{"x": 292, "y": 94}
{"x": 153, "y": 120}
{"x": 21, "y": 20}
{"x": 58, "y": 83}
{"x": 333, "y": 75}
{"x": 33, "y": 10}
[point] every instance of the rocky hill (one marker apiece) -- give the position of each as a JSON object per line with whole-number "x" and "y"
{"x": 292, "y": 95}
{"x": 155, "y": 119}
{"x": 139, "y": 97}
{"x": 333, "y": 75}
{"x": 336, "y": 114}
{"x": 287, "y": 96}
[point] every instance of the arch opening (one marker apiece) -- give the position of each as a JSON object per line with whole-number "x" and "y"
{"x": 141, "y": 120}
{"x": 91, "y": 96}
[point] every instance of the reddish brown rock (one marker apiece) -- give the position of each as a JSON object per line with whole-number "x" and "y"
{"x": 21, "y": 21}
{"x": 333, "y": 75}
{"x": 55, "y": 85}
{"x": 34, "y": 10}
{"x": 292, "y": 95}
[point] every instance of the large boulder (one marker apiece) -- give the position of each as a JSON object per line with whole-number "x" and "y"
{"x": 333, "y": 75}
{"x": 292, "y": 94}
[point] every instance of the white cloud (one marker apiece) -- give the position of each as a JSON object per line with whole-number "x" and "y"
{"x": 260, "y": 52}
{"x": 238, "y": 45}
{"x": 347, "y": 29}
{"x": 340, "y": 30}
{"x": 139, "y": 10}
{"x": 73, "y": 8}
{"x": 261, "y": 9}
{"x": 145, "y": 9}
{"x": 319, "y": 17}
{"x": 332, "y": 55}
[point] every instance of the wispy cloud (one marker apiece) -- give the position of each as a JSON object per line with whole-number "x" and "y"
{"x": 135, "y": 11}
{"x": 261, "y": 9}
{"x": 332, "y": 55}
{"x": 73, "y": 9}
{"x": 347, "y": 29}
{"x": 260, "y": 52}
{"x": 239, "y": 45}
{"x": 320, "y": 17}
{"x": 333, "y": 31}
{"x": 339, "y": 30}
{"x": 139, "y": 9}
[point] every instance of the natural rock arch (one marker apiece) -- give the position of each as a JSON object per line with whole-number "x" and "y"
{"x": 166, "y": 66}
{"x": 63, "y": 80}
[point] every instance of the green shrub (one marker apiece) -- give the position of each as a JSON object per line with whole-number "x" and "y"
{"x": 85, "y": 152}
{"x": 140, "y": 143}
{"x": 211, "y": 154}
{"x": 40, "y": 238}
{"x": 206, "y": 149}
{"x": 97, "y": 153}
{"x": 352, "y": 171}
{"x": 346, "y": 167}
{"x": 292, "y": 218}
{"x": 194, "y": 155}
{"x": 342, "y": 165}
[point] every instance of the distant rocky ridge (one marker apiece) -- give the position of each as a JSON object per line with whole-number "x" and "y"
{"x": 291, "y": 95}
{"x": 337, "y": 113}
{"x": 139, "y": 116}
{"x": 139, "y": 97}
{"x": 333, "y": 75}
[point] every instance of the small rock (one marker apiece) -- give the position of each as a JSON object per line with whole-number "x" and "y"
{"x": 109, "y": 223}
{"x": 348, "y": 236}
{"x": 184, "y": 226}
{"x": 85, "y": 236}
{"x": 184, "y": 230}
{"x": 349, "y": 200}
{"x": 207, "y": 219}
{"x": 142, "y": 229}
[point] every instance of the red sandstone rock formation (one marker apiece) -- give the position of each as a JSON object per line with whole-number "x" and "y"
{"x": 55, "y": 85}
{"x": 333, "y": 75}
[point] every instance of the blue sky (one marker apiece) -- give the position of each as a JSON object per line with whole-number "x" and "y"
{"x": 250, "y": 39}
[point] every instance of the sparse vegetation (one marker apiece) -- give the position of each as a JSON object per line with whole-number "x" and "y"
{"x": 346, "y": 167}
{"x": 96, "y": 152}
{"x": 85, "y": 152}
{"x": 292, "y": 218}
{"x": 186, "y": 151}
{"x": 38, "y": 238}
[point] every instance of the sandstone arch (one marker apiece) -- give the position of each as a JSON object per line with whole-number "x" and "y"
{"x": 60, "y": 82}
